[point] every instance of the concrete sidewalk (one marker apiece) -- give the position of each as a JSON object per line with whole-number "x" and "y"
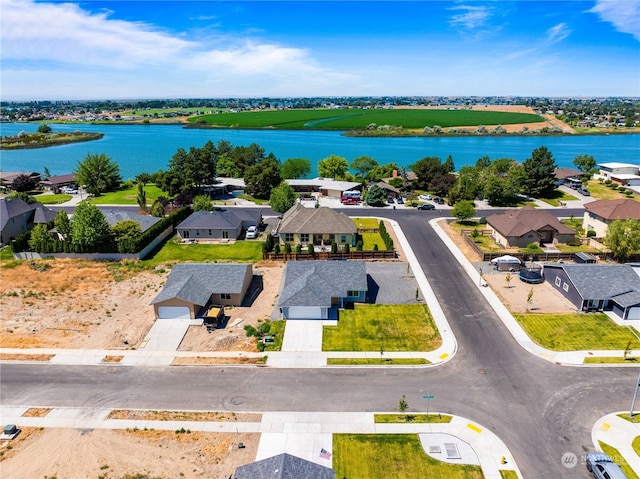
{"x": 618, "y": 433}
{"x": 303, "y": 434}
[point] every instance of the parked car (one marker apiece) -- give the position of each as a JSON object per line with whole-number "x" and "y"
{"x": 584, "y": 192}
{"x": 252, "y": 232}
{"x": 400, "y": 201}
{"x": 602, "y": 467}
{"x": 440, "y": 201}
{"x": 390, "y": 200}
{"x": 424, "y": 197}
{"x": 426, "y": 207}
{"x": 350, "y": 200}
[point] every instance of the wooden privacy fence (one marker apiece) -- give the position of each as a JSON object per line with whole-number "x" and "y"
{"x": 325, "y": 255}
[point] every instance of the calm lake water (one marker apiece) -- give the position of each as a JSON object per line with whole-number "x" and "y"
{"x": 148, "y": 148}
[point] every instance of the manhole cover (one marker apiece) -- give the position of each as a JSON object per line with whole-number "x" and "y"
{"x": 481, "y": 371}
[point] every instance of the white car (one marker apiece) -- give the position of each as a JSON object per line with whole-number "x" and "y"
{"x": 424, "y": 197}
{"x": 252, "y": 232}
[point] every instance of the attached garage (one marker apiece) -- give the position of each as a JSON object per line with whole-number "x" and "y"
{"x": 173, "y": 312}
{"x": 633, "y": 313}
{"x": 305, "y": 312}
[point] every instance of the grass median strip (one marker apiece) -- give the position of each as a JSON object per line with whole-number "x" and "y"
{"x": 383, "y": 327}
{"x": 401, "y": 456}
{"x": 577, "y": 332}
{"x": 610, "y": 360}
{"x": 413, "y": 418}
{"x": 377, "y": 361}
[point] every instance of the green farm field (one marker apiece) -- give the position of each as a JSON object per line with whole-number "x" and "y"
{"x": 353, "y": 119}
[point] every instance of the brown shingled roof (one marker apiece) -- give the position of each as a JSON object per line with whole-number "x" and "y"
{"x": 323, "y": 220}
{"x": 519, "y": 222}
{"x": 620, "y": 209}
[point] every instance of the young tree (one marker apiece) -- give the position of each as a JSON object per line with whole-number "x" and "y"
{"x": 540, "y": 177}
{"x": 507, "y": 278}
{"x": 333, "y": 166}
{"x": 282, "y": 197}
{"x": 363, "y": 165}
{"x": 375, "y": 196}
{"x": 202, "y": 202}
{"x": 157, "y": 209}
{"x": 89, "y": 228}
{"x": 126, "y": 230}
{"x": 585, "y": 163}
{"x": 529, "y": 299}
{"x": 463, "y": 210}
{"x": 623, "y": 238}
{"x": 98, "y": 174}
{"x": 294, "y": 168}
{"x": 40, "y": 239}
{"x": 260, "y": 179}
{"x": 142, "y": 197}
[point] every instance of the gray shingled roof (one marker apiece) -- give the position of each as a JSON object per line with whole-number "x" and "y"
{"x": 220, "y": 219}
{"x": 114, "y": 216}
{"x": 602, "y": 281}
{"x": 323, "y": 220}
{"x": 43, "y": 214}
{"x": 11, "y": 209}
{"x": 314, "y": 283}
{"x": 284, "y": 466}
{"x": 196, "y": 282}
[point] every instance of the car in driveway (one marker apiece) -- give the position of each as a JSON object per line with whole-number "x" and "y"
{"x": 601, "y": 466}
{"x": 252, "y": 232}
{"x": 426, "y": 207}
{"x": 424, "y": 197}
{"x": 440, "y": 201}
{"x": 583, "y": 192}
{"x": 400, "y": 201}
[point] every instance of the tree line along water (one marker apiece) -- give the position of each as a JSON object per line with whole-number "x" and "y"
{"x": 148, "y": 148}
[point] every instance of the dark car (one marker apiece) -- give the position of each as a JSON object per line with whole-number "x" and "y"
{"x": 426, "y": 207}
{"x": 400, "y": 201}
{"x": 440, "y": 201}
{"x": 390, "y": 200}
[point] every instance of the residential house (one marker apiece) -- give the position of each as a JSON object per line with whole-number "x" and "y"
{"x": 317, "y": 289}
{"x": 17, "y": 217}
{"x": 7, "y": 177}
{"x": 325, "y": 186}
{"x": 317, "y": 226}
{"x": 192, "y": 286}
{"x": 599, "y": 214}
{"x": 594, "y": 287}
{"x": 389, "y": 191}
{"x": 284, "y": 466}
{"x": 114, "y": 216}
{"x": 219, "y": 224}
{"x": 54, "y": 183}
{"x": 518, "y": 228}
{"x": 568, "y": 177}
{"x": 622, "y": 173}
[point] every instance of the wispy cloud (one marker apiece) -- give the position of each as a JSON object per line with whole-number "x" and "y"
{"x": 558, "y": 33}
{"x": 624, "y": 15}
{"x": 473, "y": 16}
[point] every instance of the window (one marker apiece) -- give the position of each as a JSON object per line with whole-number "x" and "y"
{"x": 304, "y": 237}
{"x": 353, "y": 294}
{"x": 565, "y": 286}
{"x": 225, "y": 295}
{"x": 343, "y": 239}
{"x": 558, "y": 281}
{"x": 209, "y": 232}
{"x": 287, "y": 237}
{"x": 225, "y": 234}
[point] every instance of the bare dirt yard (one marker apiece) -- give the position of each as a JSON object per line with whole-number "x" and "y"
{"x": 84, "y": 304}
{"x": 125, "y": 454}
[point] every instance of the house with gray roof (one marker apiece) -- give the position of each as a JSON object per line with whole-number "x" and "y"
{"x": 317, "y": 289}
{"x": 219, "y": 224}
{"x": 598, "y": 287}
{"x": 317, "y": 226}
{"x": 190, "y": 287}
{"x": 114, "y": 216}
{"x": 284, "y": 466}
{"x": 17, "y": 217}
{"x": 518, "y": 228}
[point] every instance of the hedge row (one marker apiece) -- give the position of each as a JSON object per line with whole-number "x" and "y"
{"x": 388, "y": 242}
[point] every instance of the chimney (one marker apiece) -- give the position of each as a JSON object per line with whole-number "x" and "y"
{"x": 394, "y": 174}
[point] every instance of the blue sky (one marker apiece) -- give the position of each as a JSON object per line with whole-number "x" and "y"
{"x": 196, "y": 49}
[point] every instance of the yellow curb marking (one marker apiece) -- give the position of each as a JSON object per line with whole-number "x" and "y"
{"x": 606, "y": 426}
{"x": 473, "y": 427}
{"x": 442, "y": 356}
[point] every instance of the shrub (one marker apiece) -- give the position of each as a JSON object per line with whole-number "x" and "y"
{"x": 251, "y": 331}
{"x": 482, "y": 220}
{"x": 287, "y": 247}
{"x": 359, "y": 245}
{"x": 298, "y": 248}
{"x": 591, "y": 233}
{"x": 334, "y": 247}
{"x": 532, "y": 246}
{"x": 310, "y": 248}
{"x": 346, "y": 248}
{"x": 276, "y": 248}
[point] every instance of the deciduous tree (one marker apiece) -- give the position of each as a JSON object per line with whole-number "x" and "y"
{"x": 463, "y": 210}
{"x": 97, "y": 174}
{"x": 294, "y": 168}
{"x": 260, "y": 179}
{"x": 333, "y": 166}
{"x": 89, "y": 228}
{"x": 585, "y": 163}
{"x": 282, "y": 197}
{"x": 623, "y": 238}
{"x": 363, "y": 165}
{"x": 202, "y": 203}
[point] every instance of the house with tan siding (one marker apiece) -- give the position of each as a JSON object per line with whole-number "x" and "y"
{"x": 599, "y": 214}
{"x": 518, "y": 228}
{"x": 317, "y": 226}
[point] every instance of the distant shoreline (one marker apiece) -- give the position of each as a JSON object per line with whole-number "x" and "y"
{"x": 45, "y": 140}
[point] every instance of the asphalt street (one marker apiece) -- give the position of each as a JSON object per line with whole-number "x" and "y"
{"x": 539, "y": 409}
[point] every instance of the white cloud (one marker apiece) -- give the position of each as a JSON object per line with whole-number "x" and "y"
{"x": 101, "y": 56}
{"x": 558, "y": 33}
{"x": 623, "y": 14}
{"x": 472, "y": 18}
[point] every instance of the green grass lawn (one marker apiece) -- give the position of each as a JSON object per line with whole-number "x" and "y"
{"x": 128, "y": 196}
{"x": 400, "y": 456}
{"x": 355, "y": 118}
{"x": 277, "y": 331}
{"x": 172, "y": 252}
{"x": 366, "y": 223}
{"x": 613, "y": 452}
{"x": 601, "y": 191}
{"x": 52, "y": 199}
{"x": 557, "y": 197}
{"x": 414, "y": 418}
{"x": 576, "y": 332}
{"x": 610, "y": 360}
{"x": 392, "y": 327}
{"x": 371, "y": 239}
{"x": 6, "y": 253}
{"x": 253, "y": 199}
{"x": 508, "y": 474}
{"x": 382, "y": 361}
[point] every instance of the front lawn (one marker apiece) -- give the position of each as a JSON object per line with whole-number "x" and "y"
{"x": 52, "y": 199}
{"x": 601, "y": 191}
{"x": 382, "y": 361}
{"x": 576, "y": 332}
{"x": 173, "y": 252}
{"x": 366, "y": 223}
{"x": 557, "y": 197}
{"x": 128, "y": 196}
{"x": 401, "y": 456}
{"x": 371, "y": 239}
{"x": 383, "y": 327}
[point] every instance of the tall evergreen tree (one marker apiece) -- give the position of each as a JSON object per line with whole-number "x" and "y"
{"x": 539, "y": 178}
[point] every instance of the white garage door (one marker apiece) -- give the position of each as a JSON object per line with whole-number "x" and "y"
{"x": 173, "y": 312}
{"x": 633, "y": 313}
{"x": 305, "y": 312}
